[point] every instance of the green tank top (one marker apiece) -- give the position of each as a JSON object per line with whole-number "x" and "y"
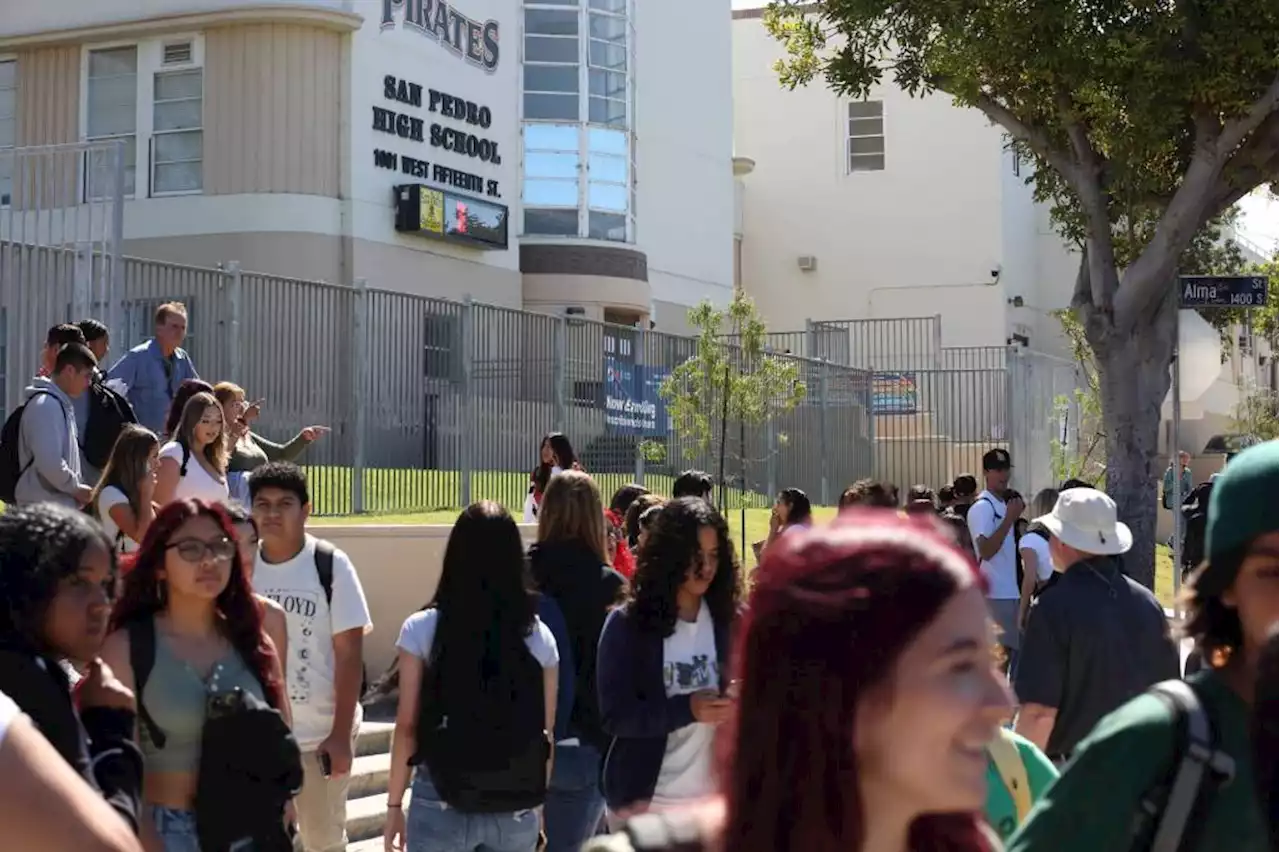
{"x": 175, "y": 696}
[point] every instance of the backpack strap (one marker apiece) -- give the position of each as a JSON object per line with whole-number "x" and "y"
{"x": 186, "y": 457}
{"x": 1201, "y": 768}
{"x": 26, "y": 467}
{"x": 324, "y": 567}
{"x": 142, "y": 658}
{"x": 668, "y": 831}
{"x": 1003, "y": 752}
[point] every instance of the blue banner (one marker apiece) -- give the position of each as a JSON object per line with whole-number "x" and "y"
{"x": 894, "y": 393}
{"x": 632, "y": 404}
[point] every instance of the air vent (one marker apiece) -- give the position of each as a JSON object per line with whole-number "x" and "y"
{"x": 177, "y": 54}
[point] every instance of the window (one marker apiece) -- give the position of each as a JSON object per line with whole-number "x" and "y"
{"x": 866, "y": 136}
{"x": 151, "y": 95}
{"x": 8, "y": 125}
{"x": 113, "y": 104}
{"x": 579, "y": 174}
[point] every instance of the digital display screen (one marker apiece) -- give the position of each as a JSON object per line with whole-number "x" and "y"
{"x": 451, "y": 216}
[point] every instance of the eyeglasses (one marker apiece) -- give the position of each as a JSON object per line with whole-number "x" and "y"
{"x": 194, "y": 550}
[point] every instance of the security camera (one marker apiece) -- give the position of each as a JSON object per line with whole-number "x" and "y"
{"x": 995, "y": 273}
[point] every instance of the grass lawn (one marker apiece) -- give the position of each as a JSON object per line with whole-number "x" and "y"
{"x": 757, "y": 529}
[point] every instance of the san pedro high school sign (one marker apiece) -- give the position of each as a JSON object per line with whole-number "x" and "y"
{"x": 474, "y": 41}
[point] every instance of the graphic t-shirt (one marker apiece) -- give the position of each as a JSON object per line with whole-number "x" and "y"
{"x": 1092, "y": 807}
{"x": 312, "y": 624}
{"x": 689, "y": 664}
{"x": 985, "y": 516}
{"x": 1001, "y": 812}
{"x": 108, "y": 498}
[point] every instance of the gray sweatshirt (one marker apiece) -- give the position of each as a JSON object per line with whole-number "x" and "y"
{"x": 48, "y": 451}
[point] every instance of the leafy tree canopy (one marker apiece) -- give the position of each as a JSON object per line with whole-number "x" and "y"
{"x": 1124, "y": 106}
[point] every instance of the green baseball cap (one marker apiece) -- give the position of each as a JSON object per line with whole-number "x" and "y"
{"x": 1243, "y": 505}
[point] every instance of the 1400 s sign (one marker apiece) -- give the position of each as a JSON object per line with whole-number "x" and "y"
{"x": 474, "y": 41}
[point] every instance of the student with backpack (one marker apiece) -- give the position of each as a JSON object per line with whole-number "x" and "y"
{"x": 570, "y": 567}
{"x": 478, "y": 685}
{"x": 102, "y": 412}
{"x": 220, "y": 763}
{"x": 39, "y": 447}
{"x": 193, "y": 465}
{"x": 124, "y": 498}
{"x": 327, "y": 620}
{"x": 1173, "y": 769}
{"x": 1033, "y": 552}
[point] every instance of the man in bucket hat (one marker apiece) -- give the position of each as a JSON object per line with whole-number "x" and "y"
{"x": 1097, "y": 638}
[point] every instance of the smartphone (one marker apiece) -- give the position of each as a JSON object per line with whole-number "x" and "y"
{"x": 326, "y": 765}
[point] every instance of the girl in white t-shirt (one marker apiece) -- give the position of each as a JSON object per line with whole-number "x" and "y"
{"x": 194, "y": 464}
{"x": 478, "y": 677}
{"x": 1033, "y": 548}
{"x": 123, "y": 501}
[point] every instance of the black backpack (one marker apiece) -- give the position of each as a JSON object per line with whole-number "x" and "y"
{"x": 484, "y": 740}
{"x": 1173, "y": 813}
{"x": 250, "y": 764}
{"x": 109, "y": 413}
{"x": 324, "y": 567}
{"x": 11, "y": 466}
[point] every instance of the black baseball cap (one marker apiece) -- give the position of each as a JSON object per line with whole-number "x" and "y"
{"x": 997, "y": 459}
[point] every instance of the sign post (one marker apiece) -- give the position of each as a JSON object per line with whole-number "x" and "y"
{"x": 1201, "y": 291}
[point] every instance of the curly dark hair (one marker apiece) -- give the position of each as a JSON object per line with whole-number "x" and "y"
{"x": 868, "y": 492}
{"x": 665, "y": 560}
{"x": 40, "y": 546}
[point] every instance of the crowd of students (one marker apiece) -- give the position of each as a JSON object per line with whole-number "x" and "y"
{"x": 171, "y": 630}
{"x": 934, "y": 673}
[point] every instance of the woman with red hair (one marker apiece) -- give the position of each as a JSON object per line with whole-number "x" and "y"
{"x": 867, "y": 697}
{"x": 188, "y": 596}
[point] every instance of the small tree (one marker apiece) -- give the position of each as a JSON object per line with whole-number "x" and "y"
{"x": 726, "y": 382}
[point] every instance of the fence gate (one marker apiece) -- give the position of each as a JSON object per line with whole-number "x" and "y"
{"x": 61, "y": 224}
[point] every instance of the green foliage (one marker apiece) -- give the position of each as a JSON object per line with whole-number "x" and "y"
{"x": 1086, "y": 457}
{"x": 1256, "y": 415}
{"x": 742, "y": 380}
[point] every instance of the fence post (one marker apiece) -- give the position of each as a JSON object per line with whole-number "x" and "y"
{"x": 771, "y": 455}
{"x": 559, "y": 354}
{"x": 359, "y": 384}
{"x": 234, "y": 302}
{"x": 824, "y": 440}
{"x": 810, "y": 341}
{"x": 642, "y": 363}
{"x": 468, "y": 432}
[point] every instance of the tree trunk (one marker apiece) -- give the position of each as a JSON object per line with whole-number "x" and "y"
{"x": 1134, "y": 379}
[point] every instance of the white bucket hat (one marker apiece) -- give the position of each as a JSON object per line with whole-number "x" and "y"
{"x": 1085, "y": 518}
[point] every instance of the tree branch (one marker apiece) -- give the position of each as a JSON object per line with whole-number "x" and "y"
{"x": 1082, "y": 294}
{"x": 1235, "y": 130}
{"x": 1034, "y": 137}
{"x": 1103, "y": 279}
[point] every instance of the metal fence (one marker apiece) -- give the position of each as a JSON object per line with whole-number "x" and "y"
{"x": 435, "y": 403}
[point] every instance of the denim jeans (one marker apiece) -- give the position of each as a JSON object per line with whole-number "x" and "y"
{"x": 575, "y": 804}
{"x": 177, "y": 829}
{"x": 433, "y": 826}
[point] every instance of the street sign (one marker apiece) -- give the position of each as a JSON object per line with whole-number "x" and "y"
{"x": 1222, "y": 291}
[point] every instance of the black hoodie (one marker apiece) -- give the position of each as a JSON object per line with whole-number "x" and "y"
{"x": 585, "y": 590}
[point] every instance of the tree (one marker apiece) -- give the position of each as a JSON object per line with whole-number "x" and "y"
{"x": 727, "y": 382}
{"x": 1145, "y": 121}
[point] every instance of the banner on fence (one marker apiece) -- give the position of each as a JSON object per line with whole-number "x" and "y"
{"x": 894, "y": 393}
{"x": 632, "y": 404}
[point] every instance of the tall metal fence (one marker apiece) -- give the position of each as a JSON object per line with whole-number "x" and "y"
{"x": 434, "y": 403}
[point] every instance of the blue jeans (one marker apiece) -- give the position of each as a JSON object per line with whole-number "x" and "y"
{"x": 433, "y": 826}
{"x": 177, "y": 831}
{"x": 575, "y": 804}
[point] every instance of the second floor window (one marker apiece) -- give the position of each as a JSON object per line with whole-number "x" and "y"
{"x": 150, "y": 96}
{"x": 866, "y": 136}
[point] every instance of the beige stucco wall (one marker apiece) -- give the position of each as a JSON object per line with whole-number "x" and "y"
{"x": 399, "y": 568}
{"x": 48, "y": 95}
{"x": 273, "y": 109}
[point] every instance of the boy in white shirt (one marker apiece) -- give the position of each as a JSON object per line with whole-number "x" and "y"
{"x": 991, "y": 527}
{"x": 327, "y": 619}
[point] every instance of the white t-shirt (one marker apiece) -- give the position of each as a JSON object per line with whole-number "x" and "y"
{"x": 108, "y": 498}
{"x": 419, "y": 633}
{"x": 8, "y": 712}
{"x": 312, "y": 623}
{"x": 1038, "y": 545}
{"x": 197, "y": 484}
{"x": 689, "y": 664}
{"x": 985, "y": 516}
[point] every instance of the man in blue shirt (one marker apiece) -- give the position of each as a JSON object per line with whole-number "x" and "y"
{"x": 152, "y": 372}
{"x": 1174, "y": 498}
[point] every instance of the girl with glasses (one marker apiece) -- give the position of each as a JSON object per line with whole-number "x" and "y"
{"x": 190, "y": 583}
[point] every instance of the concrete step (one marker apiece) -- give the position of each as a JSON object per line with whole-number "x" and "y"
{"x": 373, "y": 844}
{"x": 367, "y": 815}
{"x": 369, "y": 775}
{"x": 374, "y": 738}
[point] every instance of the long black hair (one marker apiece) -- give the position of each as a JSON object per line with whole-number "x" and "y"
{"x": 565, "y": 459}
{"x": 486, "y": 607}
{"x": 671, "y": 549}
{"x": 40, "y": 546}
{"x": 799, "y": 509}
